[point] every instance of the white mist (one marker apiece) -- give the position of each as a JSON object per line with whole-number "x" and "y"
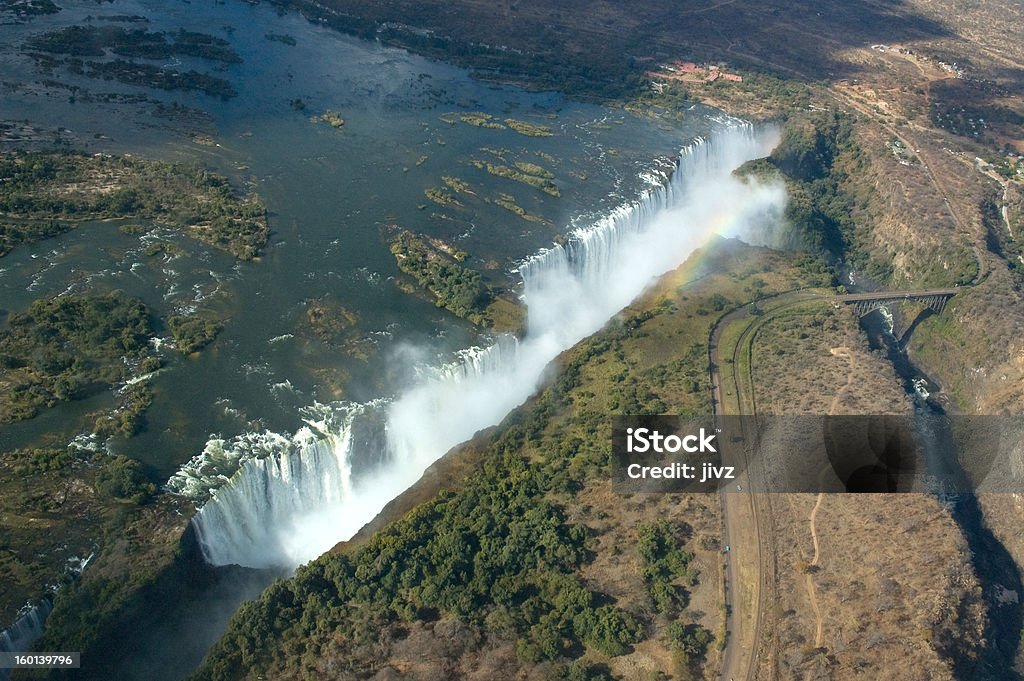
{"x": 287, "y": 508}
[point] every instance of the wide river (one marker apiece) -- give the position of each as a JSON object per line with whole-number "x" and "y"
{"x": 331, "y": 193}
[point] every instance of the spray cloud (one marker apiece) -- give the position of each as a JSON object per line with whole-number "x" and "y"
{"x": 335, "y": 475}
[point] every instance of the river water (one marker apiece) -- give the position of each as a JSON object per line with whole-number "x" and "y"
{"x": 329, "y": 192}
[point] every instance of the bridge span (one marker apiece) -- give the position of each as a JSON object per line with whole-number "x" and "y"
{"x": 866, "y": 303}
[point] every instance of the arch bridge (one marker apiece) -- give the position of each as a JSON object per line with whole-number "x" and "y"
{"x": 866, "y": 303}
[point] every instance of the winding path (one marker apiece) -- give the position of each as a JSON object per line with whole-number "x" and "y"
{"x": 809, "y": 577}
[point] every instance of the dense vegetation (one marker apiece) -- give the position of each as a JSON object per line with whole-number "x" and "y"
{"x": 78, "y": 42}
{"x": 97, "y": 41}
{"x": 818, "y": 210}
{"x": 192, "y": 334}
{"x": 78, "y": 496}
{"x": 65, "y": 348}
{"x": 129, "y": 417}
{"x": 138, "y": 567}
{"x": 456, "y": 288}
{"x": 664, "y": 561}
{"x": 148, "y": 75}
{"x": 45, "y": 193}
{"x": 495, "y": 554}
{"x": 526, "y": 173}
{"x": 816, "y": 157}
{"x": 13, "y": 232}
{"x": 817, "y": 207}
{"x": 528, "y": 129}
{"x": 121, "y": 478}
{"x": 510, "y": 551}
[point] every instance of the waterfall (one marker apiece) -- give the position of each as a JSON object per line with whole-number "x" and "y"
{"x": 476, "y": 361}
{"x": 296, "y": 480}
{"x": 290, "y": 499}
{"x": 26, "y": 629}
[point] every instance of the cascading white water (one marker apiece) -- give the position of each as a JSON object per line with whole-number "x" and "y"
{"x": 282, "y": 509}
{"x": 289, "y": 478}
{"x": 26, "y": 629}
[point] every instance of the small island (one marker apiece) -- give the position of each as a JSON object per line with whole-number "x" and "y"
{"x": 332, "y": 118}
{"x": 437, "y": 267}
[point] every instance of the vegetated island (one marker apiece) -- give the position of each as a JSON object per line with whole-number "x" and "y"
{"x": 528, "y": 129}
{"x": 65, "y": 348}
{"x": 530, "y": 174}
{"x": 43, "y": 194}
{"x": 70, "y": 347}
{"x": 508, "y": 202}
{"x": 337, "y": 327}
{"x": 97, "y": 41}
{"x": 332, "y": 118}
{"x": 437, "y": 268}
{"x": 480, "y": 120}
{"x": 76, "y": 42}
{"x": 282, "y": 38}
{"x": 192, "y": 333}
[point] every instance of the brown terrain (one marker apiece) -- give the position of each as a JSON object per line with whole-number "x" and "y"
{"x": 849, "y": 598}
{"x": 832, "y": 586}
